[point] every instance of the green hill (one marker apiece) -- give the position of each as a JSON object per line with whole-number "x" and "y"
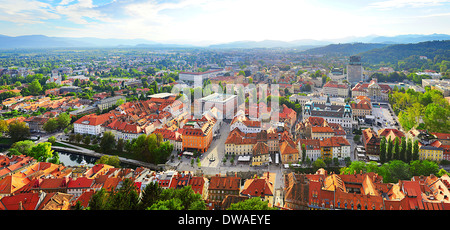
{"x": 394, "y": 53}
{"x": 346, "y": 49}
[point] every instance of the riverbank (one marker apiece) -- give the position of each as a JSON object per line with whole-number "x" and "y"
{"x": 87, "y": 152}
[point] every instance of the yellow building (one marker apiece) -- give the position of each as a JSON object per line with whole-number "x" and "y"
{"x": 431, "y": 153}
{"x": 260, "y": 154}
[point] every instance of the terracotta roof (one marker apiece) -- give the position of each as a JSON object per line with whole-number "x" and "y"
{"x": 23, "y": 201}
{"x": 93, "y": 119}
{"x": 224, "y": 183}
{"x": 80, "y": 182}
{"x": 286, "y": 148}
{"x": 257, "y": 187}
{"x": 260, "y": 148}
{"x": 334, "y": 142}
{"x": 322, "y": 130}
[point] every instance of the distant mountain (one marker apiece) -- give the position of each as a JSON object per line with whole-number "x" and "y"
{"x": 409, "y": 38}
{"x": 269, "y": 44}
{"x": 394, "y": 53}
{"x": 346, "y": 49}
{"x": 41, "y": 41}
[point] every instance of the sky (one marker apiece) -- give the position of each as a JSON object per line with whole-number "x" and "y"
{"x": 201, "y": 22}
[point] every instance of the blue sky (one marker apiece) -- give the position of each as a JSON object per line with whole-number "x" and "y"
{"x": 214, "y": 21}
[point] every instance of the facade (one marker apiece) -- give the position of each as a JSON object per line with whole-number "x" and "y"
{"x": 335, "y": 89}
{"x": 429, "y": 152}
{"x": 312, "y": 147}
{"x": 361, "y": 109}
{"x": 372, "y": 90}
{"x": 355, "y": 70}
{"x": 191, "y": 76}
{"x": 226, "y": 103}
{"x": 371, "y": 142}
{"x": 197, "y": 134}
{"x": 91, "y": 124}
{"x": 318, "y": 132}
{"x": 335, "y": 147}
{"x": 109, "y": 102}
{"x": 220, "y": 187}
{"x": 341, "y": 115}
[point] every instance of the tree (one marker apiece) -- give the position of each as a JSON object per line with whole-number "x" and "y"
{"x": 354, "y": 167}
{"x": 254, "y": 203}
{"x": 303, "y": 152}
{"x": 423, "y": 168}
{"x": 396, "y": 152}
{"x": 179, "y": 199}
{"x": 18, "y": 131}
{"x": 87, "y": 140}
{"x": 23, "y": 147}
{"x": 398, "y": 170}
{"x": 357, "y": 138}
{"x": 99, "y": 200}
{"x": 107, "y": 143}
{"x": 408, "y": 151}
{"x": 120, "y": 144}
{"x": 383, "y": 150}
{"x": 42, "y": 151}
{"x": 415, "y": 153}
{"x": 319, "y": 163}
{"x": 35, "y": 87}
{"x": 51, "y": 125}
{"x": 78, "y": 137}
{"x": 109, "y": 160}
{"x": 150, "y": 195}
{"x": 63, "y": 120}
{"x": 403, "y": 150}
{"x": 52, "y": 139}
{"x": 125, "y": 198}
{"x": 389, "y": 150}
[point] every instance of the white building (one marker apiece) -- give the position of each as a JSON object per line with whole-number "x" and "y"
{"x": 245, "y": 125}
{"x": 90, "y": 124}
{"x": 331, "y": 113}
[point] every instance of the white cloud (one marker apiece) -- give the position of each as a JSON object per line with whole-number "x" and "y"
{"x": 26, "y": 11}
{"x": 393, "y": 4}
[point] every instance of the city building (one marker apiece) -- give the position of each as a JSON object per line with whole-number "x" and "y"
{"x": 341, "y": 115}
{"x": 354, "y": 70}
{"x": 333, "y": 88}
{"x": 372, "y": 90}
{"x": 226, "y": 103}
{"x": 197, "y": 134}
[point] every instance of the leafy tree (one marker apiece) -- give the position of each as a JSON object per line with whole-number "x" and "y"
{"x": 87, "y": 140}
{"x": 51, "y": 125}
{"x": 415, "y": 153}
{"x": 63, "y": 120}
{"x": 396, "y": 152}
{"x": 18, "y": 131}
{"x": 125, "y": 198}
{"x": 398, "y": 170}
{"x": 42, "y": 151}
{"x": 254, "y": 203}
{"x": 402, "y": 153}
{"x": 408, "y": 151}
{"x": 389, "y": 150}
{"x": 109, "y": 160}
{"x": 179, "y": 199}
{"x": 99, "y": 200}
{"x": 383, "y": 150}
{"x": 35, "y": 87}
{"x": 303, "y": 152}
{"x": 22, "y": 147}
{"x": 150, "y": 195}
{"x": 424, "y": 167}
{"x": 319, "y": 163}
{"x": 107, "y": 143}
{"x": 52, "y": 139}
